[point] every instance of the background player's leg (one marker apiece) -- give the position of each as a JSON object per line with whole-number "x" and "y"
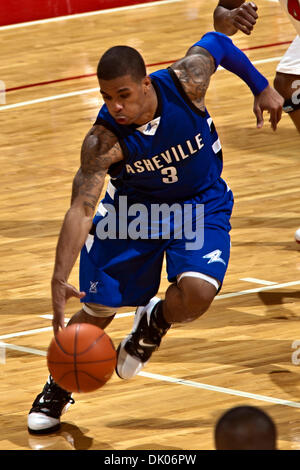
{"x": 285, "y": 84}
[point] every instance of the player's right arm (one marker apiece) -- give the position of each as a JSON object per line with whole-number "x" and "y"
{"x": 100, "y": 149}
{"x": 233, "y": 15}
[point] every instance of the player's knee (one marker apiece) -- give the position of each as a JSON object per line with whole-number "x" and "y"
{"x": 197, "y": 296}
{"x": 197, "y": 305}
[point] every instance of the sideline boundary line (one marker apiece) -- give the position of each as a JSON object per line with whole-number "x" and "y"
{"x": 90, "y": 90}
{"x": 174, "y": 380}
{"x": 121, "y": 315}
{"x": 165, "y": 378}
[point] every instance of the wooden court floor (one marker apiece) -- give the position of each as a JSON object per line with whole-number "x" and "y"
{"x": 244, "y": 350}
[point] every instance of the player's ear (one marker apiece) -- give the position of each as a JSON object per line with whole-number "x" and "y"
{"x": 146, "y": 84}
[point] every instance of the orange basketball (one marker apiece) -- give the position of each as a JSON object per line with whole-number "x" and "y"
{"x": 81, "y": 358}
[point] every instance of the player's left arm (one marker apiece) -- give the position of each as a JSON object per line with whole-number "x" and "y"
{"x": 194, "y": 72}
{"x": 201, "y": 61}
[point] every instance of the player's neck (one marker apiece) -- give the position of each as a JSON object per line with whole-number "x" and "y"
{"x": 151, "y": 106}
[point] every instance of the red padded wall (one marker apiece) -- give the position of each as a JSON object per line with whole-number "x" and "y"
{"x": 16, "y": 11}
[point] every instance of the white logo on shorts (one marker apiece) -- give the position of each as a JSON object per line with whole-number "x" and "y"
{"x": 93, "y": 288}
{"x": 215, "y": 257}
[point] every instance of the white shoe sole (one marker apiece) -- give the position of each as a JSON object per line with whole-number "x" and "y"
{"x": 40, "y": 423}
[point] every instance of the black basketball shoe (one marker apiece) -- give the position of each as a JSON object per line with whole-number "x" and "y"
{"x": 47, "y": 408}
{"x": 136, "y": 349}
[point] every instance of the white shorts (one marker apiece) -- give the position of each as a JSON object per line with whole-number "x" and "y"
{"x": 290, "y": 62}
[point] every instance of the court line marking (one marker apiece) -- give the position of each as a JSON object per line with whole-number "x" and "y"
{"x": 23, "y": 349}
{"x": 26, "y": 333}
{"x": 49, "y": 328}
{"x": 258, "y": 281}
{"x": 219, "y": 297}
{"x": 118, "y": 315}
{"x": 189, "y": 383}
{"x": 86, "y": 14}
{"x": 154, "y": 64}
{"x": 256, "y": 290}
{"x": 90, "y": 90}
{"x": 214, "y": 388}
{"x": 48, "y": 98}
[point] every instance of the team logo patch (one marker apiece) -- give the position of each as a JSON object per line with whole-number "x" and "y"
{"x": 215, "y": 257}
{"x": 93, "y": 287}
{"x": 150, "y": 128}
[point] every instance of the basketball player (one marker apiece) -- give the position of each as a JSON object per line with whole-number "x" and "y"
{"x": 233, "y": 15}
{"x": 245, "y": 428}
{"x": 156, "y": 140}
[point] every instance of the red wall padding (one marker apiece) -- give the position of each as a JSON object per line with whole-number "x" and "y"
{"x": 20, "y": 11}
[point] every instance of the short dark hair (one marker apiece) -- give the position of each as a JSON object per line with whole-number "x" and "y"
{"x": 245, "y": 428}
{"x": 119, "y": 61}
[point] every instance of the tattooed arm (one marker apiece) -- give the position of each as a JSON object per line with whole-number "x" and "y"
{"x": 100, "y": 149}
{"x": 194, "y": 72}
{"x": 202, "y": 59}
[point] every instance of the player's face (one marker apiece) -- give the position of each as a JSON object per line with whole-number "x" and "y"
{"x": 125, "y": 98}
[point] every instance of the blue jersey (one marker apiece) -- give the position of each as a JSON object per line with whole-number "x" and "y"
{"x": 175, "y": 156}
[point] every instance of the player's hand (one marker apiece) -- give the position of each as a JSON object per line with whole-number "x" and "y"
{"x": 268, "y": 100}
{"x": 61, "y": 292}
{"x": 244, "y": 17}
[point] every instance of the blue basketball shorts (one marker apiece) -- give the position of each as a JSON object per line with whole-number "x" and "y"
{"x": 122, "y": 259}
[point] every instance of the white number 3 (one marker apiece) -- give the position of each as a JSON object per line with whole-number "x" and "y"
{"x": 171, "y": 173}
